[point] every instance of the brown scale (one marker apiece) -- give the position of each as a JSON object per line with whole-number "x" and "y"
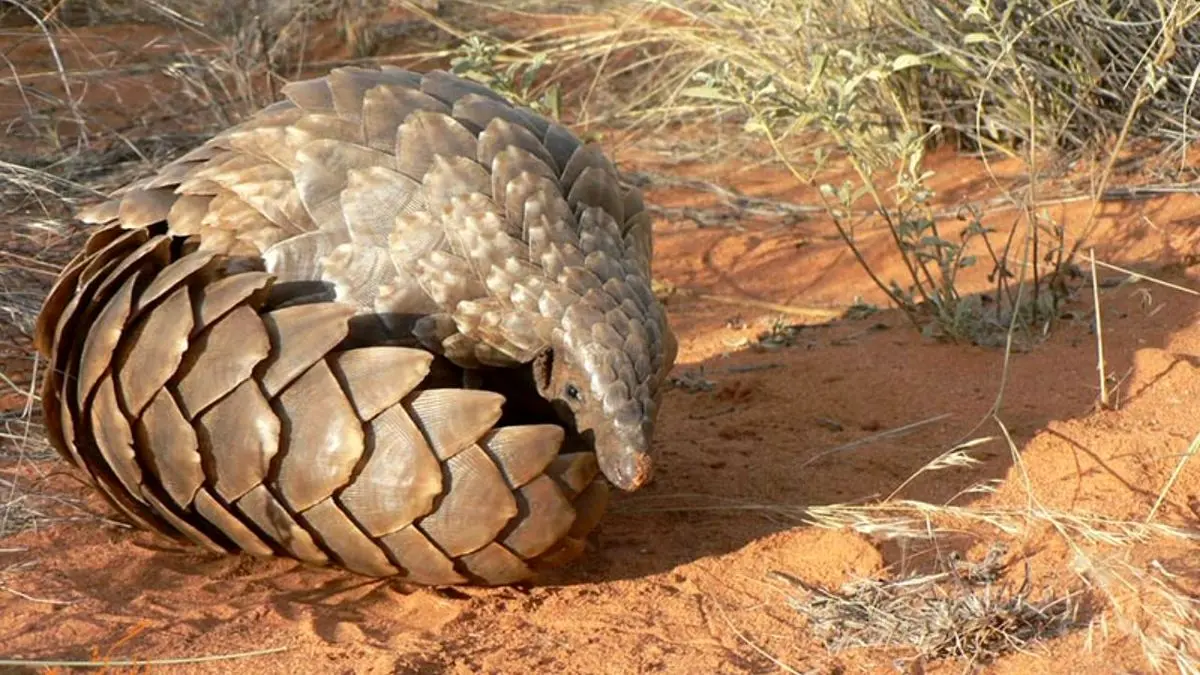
{"x": 218, "y": 373}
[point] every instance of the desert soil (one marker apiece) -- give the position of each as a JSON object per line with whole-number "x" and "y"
{"x": 679, "y": 578}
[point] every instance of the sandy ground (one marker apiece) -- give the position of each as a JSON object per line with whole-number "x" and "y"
{"x": 679, "y": 579}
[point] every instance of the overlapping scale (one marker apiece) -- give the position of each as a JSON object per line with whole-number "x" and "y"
{"x": 205, "y": 378}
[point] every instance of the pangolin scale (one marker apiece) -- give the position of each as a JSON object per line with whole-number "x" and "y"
{"x": 392, "y": 323}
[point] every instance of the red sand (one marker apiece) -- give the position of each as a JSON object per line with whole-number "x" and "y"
{"x": 687, "y": 591}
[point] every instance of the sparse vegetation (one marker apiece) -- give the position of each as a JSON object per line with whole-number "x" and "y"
{"x": 959, "y": 612}
{"x": 851, "y": 97}
{"x": 476, "y": 59}
{"x": 1040, "y": 81}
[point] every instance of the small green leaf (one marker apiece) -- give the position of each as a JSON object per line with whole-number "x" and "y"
{"x": 708, "y": 93}
{"x": 905, "y": 61}
{"x": 754, "y": 125}
{"x": 818, "y": 70}
{"x": 844, "y": 194}
{"x": 976, "y": 10}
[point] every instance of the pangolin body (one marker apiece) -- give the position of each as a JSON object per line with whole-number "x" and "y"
{"x": 392, "y": 322}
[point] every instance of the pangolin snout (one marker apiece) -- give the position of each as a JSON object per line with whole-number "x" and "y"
{"x": 624, "y": 450}
{"x": 627, "y": 469}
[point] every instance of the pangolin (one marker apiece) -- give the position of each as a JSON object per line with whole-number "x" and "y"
{"x": 438, "y": 220}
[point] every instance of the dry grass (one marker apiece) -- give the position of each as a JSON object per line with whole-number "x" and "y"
{"x": 958, "y": 613}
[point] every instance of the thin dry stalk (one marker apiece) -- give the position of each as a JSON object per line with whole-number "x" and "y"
{"x": 1100, "y": 369}
{"x": 1192, "y": 450}
{"x": 874, "y": 438}
{"x": 1142, "y": 277}
{"x": 741, "y": 635}
{"x": 140, "y": 663}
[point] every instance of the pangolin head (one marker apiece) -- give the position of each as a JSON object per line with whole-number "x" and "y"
{"x": 604, "y": 374}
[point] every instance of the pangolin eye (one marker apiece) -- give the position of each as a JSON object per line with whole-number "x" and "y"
{"x": 573, "y": 393}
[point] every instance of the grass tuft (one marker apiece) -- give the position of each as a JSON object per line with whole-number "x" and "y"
{"x": 961, "y": 612}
